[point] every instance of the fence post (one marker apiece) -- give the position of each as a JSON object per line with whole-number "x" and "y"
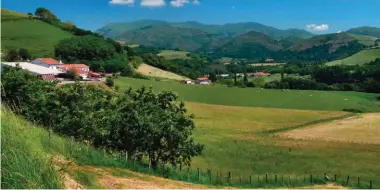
{"x": 188, "y": 173}
{"x": 241, "y": 178}
{"x": 311, "y": 178}
{"x": 358, "y": 181}
{"x": 348, "y": 178}
{"x": 150, "y": 164}
{"x": 180, "y": 167}
{"x": 126, "y": 156}
{"x": 199, "y": 177}
{"x": 250, "y": 179}
{"x": 217, "y": 177}
{"x": 370, "y": 184}
{"x": 266, "y": 178}
{"x": 335, "y": 177}
{"x": 229, "y": 177}
{"x": 275, "y": 179}
{"x": 304, "y": 178}
{"x": 258, "y": 178}
{"x": 209, "y": 173}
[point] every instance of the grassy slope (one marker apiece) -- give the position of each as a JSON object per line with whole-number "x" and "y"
{"x": 294, "y": 99}
{"x": 363, "y": 57}
{"x": 234, "y": 144}
{"x": 151, "y": 71}
{"x": 36, "y": 36}
{"x": 365, "y": 40}
{"x": 171, "y": 54}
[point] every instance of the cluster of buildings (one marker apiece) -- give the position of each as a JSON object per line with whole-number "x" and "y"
{"x": 257, "y": 74}
{"x": 51, "y": 69}
{"x": 200, "y": 80}
{"x": 206, "y": 81}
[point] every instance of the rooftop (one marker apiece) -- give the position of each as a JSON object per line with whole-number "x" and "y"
{"x": 50, "y": 61}
{"x": 36, "y": 69}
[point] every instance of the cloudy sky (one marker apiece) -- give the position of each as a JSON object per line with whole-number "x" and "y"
{"x": 318, "y": 16}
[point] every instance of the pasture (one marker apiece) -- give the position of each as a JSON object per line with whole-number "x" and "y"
{"x": 36, "y": 36}
{"x": 151, "y": 71}
{"x": 235, "y": 143}
{"x": 365, "y": 40}
{"x": 363, "y": 57}
{"x": 171, "y": 54}
{"x": 256, "y": 97}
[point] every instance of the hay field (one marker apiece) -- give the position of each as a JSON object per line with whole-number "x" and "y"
{"x": 156, "y": 72}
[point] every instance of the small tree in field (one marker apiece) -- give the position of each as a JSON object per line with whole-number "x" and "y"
{"x": 212, "y": 77}
{"x": 109, "y": 82}
{"x": 12, "y": 56}
{"x": 24, "y": 54}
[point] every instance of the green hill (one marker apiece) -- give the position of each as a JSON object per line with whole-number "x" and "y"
{"x": 366, "y": 30}
{"x": 365, "y": 40}
{"x": 114, "y": 30}
{"x": 363, "y": 57}
{"x": 18, "y": 31}
{"x": 173, "y": 38}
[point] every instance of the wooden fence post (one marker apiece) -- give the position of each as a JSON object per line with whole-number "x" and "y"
{"x": 358, "y": 181}
{"x": 266, "y": 178}
{"x": 370, "y": 184}
{"x": 209, "y": 173}
{"x": 199, "y": 177}
{"x": 348, "y": 178}
{"x": 188, "y": 173}
{"x": 275, "y": 179}
{"x": 250, "y": 179}
{"x": 180, "y": 167}
{"x": 290, "y": 180}
{"x": 241, "y": 178}
{"x": 258, "y": 178}
{"x": 150, "y": 164}
{"x": 229, "y": 177}
{"x": 311, "y": 178}
{"x": 304, "y": 178}
{"x": 335, "y": 177}
{"x": 217, "y": 176}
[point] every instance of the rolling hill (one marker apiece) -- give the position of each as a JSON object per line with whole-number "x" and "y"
{"x": 365, "y": 40}
{"x": 18, "y": 31}
{"x": 173, "y": 38}
{"x": 366, "y": 30}
{"x": 363, "y": 57}
{"x": 114, "y": 30}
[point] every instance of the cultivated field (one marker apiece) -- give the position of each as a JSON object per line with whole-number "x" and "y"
{"x": 365, "y": 40}
{"x": 36, "y": 36}
{"x": 256, "y": 97}
{"x": 156, "y": 72}
{"x": 363, "y": 128}
{"x": 363, "y": 57}
{"x": 171, "y": 54}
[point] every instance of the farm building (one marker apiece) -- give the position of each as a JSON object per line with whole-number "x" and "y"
{"x": 203, "y": 81}
{"x": 42, "y": 72}
{"x": 47, "y": 62}
{"x": 81, "y": 69}
{"x": 187, "y": 82}
{"x": 261, "y": 74}
{"x": 266, "y": 64}
{"x": 223, "y": 75}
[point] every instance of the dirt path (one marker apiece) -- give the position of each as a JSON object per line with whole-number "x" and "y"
{"x": 116, "y": 178}
{"x": 363, "y": 128}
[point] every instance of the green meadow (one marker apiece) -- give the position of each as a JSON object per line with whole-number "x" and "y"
{"x": 363, "y": 57}
{"x": 365, "y": 40}
{"x": 39, "y": 38}
{"x": 256, "y": 97}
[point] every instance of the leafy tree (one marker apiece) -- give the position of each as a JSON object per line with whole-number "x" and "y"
{"x": 12, "y": 56}
{"x": 101, "y": 69}
{"x": 377, "y": 43}
{"x": 30, "y": 16}
{"x": 212, "y": 77}
{"x": 24, "y": 54}
{"x": 127, "y": 71}
{"x": 109, "y": 82}
{"x": 245, "y": 79}
{"x": 47, "y": 16}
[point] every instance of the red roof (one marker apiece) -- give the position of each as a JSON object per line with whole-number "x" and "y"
{"x": 50, "y": 61}
{"x": 262, "y": 74}
{"x": 202, "y": 78}
{"x": 93, "y": 74}
{"x": 71, "y": 66}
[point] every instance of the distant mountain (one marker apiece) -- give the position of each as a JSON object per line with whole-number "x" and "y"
{"x": 114, "y": 30}
{"x": 366, "y": 30}
{"x": 173, "y": 38}
{"x": 335, "y": 41}
{"x": 252, "y": 45}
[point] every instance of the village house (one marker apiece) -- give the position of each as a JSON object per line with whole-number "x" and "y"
{"x": 203, "y": 81}
{"x": 81, "y": 69}
{"x": 41, "y": 72}
{"x": 47, "y": 62}
{"x": 187, "y": 81}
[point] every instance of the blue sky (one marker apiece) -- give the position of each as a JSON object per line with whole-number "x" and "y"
{"x": 318, "y": 16}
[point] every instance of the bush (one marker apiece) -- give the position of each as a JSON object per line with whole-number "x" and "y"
{"x": 109, "y": 82}
{"x": 353, "y": 110}
{"x": 378, "y": 98}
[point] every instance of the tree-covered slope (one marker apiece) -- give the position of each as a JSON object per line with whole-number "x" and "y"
{"x": 174, "y": 38}
{"x": 39, "y": 38}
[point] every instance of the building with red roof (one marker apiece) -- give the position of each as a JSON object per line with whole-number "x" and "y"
{"x": 203, "y": 80}
{"x": 81, "y": 69}
{"x": 47, "y": 62}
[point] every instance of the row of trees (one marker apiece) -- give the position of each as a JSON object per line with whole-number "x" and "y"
{"x": 138, "y": 122}
{"x": 13, "y": 55}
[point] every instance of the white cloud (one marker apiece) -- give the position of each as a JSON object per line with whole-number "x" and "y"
{"x": 196, "y": 2}
{"x": 179, "y": 3}
{"x": 122, "y": 2}
{"x": 152, "y": 3}
{"x": 314, "y": 27}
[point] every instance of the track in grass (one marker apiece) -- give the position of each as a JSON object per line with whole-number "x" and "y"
{"x": 363, "y": 128}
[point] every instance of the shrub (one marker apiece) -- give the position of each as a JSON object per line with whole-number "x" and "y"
{"x": 353, "y": 110}
{"x": 378, "y": 98}
{"x": 109, "y": 82}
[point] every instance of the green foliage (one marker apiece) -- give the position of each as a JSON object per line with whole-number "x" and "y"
{"x": 363, "y": 57}
{"x": 259, "y": 82}
{"x": 12, "y": 56}
{"x": 109, "y": 82}
{"x": 212, "y": 77}
{"x": 140, "y": 122}
{"x": 24, "y": 54}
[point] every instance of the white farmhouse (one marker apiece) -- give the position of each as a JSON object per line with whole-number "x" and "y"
{"x": 47, "y": 62}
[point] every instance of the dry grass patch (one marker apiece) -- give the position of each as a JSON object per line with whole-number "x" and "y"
{"x": 361, "y": 128}
{"x": 156, "y": 72}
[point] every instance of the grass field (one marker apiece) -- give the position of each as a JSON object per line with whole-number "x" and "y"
{"x": 363, "y": 57}
{"x": 365, "y": 40}
{"x": 171, "y": 54}
{"x": 36, "y": 36}
{"x": 293, "y": 99}
{"x": 363, "y": 128}
{"x": 156, "y": 72}
{"x": 234, "y": 143}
